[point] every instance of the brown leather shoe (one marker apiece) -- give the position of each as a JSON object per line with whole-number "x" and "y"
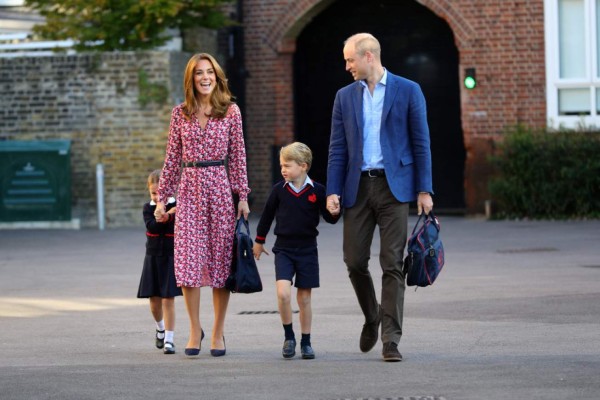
{"x": 369, "y": 334}
{"x": 390, "y": 352}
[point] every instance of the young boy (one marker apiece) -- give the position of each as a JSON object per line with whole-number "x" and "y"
{"x": 296, "y": 203}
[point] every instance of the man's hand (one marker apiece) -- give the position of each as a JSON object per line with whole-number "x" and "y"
{"x": 424, "y": 203}
{"x": 333, "y": 204}
{"x": 258, "y": 249}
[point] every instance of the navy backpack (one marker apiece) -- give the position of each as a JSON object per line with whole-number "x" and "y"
{"x": 425, "y": 257}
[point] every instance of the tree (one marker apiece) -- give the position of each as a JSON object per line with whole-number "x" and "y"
{"x": 109, "y": 25}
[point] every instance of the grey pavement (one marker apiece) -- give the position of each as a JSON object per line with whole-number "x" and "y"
{"x": 515, "y": 314}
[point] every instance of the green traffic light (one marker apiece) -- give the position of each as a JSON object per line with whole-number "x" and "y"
{"x": 470, "y": 82}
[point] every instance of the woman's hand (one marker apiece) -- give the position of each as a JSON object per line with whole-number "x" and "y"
{"x": 159, "y": 212}
{"x": 243, "y": 208}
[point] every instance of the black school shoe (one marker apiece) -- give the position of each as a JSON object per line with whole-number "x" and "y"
{"x": 160, "y": 343}
{"x": 390, "y": 352}
{"x": 169, "y": 348}
{"x": 307, "y": 352}
{"x": 289, "y": 348}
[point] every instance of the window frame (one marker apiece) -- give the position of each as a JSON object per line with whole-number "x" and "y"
{"x": 553, "y": 81}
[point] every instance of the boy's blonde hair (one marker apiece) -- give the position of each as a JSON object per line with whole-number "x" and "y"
{"x": 298, "y": 152}
{"x": 154, "y": 177}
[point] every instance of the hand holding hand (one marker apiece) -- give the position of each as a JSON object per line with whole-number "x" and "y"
{"x": 159, "y": 212}
{"x": 333, "y": 204}
{"x": 163, "y": 219}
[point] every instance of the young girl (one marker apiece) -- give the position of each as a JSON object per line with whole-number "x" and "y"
{"x": 158, "y": 276}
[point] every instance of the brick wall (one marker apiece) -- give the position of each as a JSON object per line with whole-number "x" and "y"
{"x": 95, "y": 100}
{"x": 502, "y": 39}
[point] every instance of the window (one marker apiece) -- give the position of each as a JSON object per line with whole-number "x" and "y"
{"x": 572, "y": 30}
{"x": 11, "y": 3}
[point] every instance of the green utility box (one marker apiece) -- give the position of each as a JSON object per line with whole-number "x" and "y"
{"x": 35, "y": 180}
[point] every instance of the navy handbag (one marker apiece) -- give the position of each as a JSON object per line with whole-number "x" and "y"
{"x": 425, "y": 257}
{"x": 244, "y": 276}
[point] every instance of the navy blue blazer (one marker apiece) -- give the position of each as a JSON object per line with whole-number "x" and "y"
{"x": 404, "y": 137}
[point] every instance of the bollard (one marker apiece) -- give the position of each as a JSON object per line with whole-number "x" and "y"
{"x": 488, "y": 209}
{"x": 100, "y": 194}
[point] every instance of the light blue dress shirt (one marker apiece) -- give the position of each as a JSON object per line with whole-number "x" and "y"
{"x": 372, "y": 109}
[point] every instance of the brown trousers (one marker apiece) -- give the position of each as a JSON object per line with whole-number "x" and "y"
{"x": 376, "y": 205}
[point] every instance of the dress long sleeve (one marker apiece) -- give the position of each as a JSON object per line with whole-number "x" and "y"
{"x": 171, "y": 171}
{"x": 237, "y": 155}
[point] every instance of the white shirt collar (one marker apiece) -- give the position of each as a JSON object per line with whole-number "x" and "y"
{"x": 169, "y": 201}
{"x": 307, "y": 181}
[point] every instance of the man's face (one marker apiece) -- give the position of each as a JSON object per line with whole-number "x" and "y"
{"x": 356, "y": 64}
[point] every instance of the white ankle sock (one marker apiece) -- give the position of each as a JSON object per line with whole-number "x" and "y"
{"x": 169, "y": 336}
{"x": 160, "y": 325}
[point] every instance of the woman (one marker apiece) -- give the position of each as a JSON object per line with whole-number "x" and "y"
{"x": 205, "y": 130}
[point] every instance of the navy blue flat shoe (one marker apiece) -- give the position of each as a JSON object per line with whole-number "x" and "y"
{"x": 218, "y": 352}
{"x": 193, "y": 352}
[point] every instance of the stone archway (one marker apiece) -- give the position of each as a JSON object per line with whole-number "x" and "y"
{"x": 318, "y": 73}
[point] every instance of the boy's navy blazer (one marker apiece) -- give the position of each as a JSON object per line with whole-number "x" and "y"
{"x": 404, "y": 138}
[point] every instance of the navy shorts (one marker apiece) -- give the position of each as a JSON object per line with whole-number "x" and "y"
{"x": 302, "y": 262}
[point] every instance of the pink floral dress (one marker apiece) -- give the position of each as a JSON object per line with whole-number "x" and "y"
{"x": 205, "y": 218}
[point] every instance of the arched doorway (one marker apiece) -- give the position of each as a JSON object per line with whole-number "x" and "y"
{"x": 416, "y": 44}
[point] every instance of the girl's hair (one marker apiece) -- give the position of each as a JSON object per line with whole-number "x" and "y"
{"x": 220, "y": 99}
{"x": 154, "y": 177}
{"x": 298, "y": 152}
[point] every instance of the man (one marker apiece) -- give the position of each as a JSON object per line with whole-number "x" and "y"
{"x": 379, "y": 161}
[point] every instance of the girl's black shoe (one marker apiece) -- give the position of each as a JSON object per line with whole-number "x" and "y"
{"x": 160, "y": 343}
{"x": 169, "y": 348}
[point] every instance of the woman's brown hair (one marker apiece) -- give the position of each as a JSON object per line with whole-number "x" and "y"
{"x": 220, "y": 99}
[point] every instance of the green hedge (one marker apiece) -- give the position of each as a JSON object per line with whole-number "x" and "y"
{"x": 545, "y": 175}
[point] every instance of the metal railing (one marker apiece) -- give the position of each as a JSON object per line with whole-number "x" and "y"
{"x": 21, "y": 45}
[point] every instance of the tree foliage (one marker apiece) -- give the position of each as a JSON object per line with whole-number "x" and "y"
{"x": 109, "y": 25}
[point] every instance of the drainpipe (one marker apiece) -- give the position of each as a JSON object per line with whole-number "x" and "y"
{"x": 100, "y": 194}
